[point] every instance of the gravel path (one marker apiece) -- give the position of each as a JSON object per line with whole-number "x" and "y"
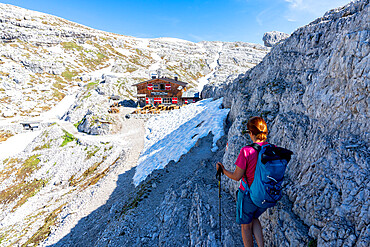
{"x": 131, "y": 133}
{"x": 176, "y": 206}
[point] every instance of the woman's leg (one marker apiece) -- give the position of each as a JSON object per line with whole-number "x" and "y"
{"x": 247, "y": 234}
{"x": 257, "y": 232}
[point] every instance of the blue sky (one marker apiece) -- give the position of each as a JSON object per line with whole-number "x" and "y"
{"x": 193, "y": 20}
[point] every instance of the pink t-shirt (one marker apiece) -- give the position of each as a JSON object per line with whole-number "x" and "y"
{"x": 247, "y": 160}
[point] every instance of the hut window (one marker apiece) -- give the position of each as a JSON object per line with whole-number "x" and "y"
{"x": 166, "y": 100}
{"x": 155, "y": 86}
{"x": 162, "y": 86}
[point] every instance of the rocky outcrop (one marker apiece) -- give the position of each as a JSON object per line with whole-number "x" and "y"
{"x": 93, "y": 125}
{"x": 313, "y": 91}
{"x": 272, "y": 38}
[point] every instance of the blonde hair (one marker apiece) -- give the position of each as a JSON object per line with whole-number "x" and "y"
{"x": 258, "y": 127}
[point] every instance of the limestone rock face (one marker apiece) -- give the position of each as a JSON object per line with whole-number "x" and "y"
{"x": 313, "y": 92}
{"x": 91, "y": 124}
{"x": 272, "y": 38}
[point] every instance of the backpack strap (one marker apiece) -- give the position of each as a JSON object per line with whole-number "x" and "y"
{"x": 256, "y": 147}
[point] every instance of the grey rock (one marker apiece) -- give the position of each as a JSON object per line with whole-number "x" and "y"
{"x": 272, "y": 38}
{"x": 94, "y": 125}
{"x": 312, "y": 96}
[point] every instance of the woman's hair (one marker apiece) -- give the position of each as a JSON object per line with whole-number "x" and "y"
{"x": 258, "y": 127}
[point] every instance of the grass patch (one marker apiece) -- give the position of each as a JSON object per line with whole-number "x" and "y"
{"x": 131, "y": 69}
{"x": 45, "y": 146}
{"x": 78, "y": 123}
{"x": 28, "y": 190}
{"x": 100, "y": 56}
{"x": 4, "y": 135}
{"x": 22, "y": 190}
{"x": 58, "y": 85}
{"x": 71, "y": 45}
{"x": 58, "y": 95}
{"x": 67, "y": 138}
{"x": 69, "y": 74}
{"x": 29, "y": 166}
{"x": 88, "y": 178}
{"x": 44, "y": 231}
{"x": 312, "y": 243}
{"x": 87, "y": 173}
{"x": 91, "y": 153}
{"x": 91, "y": 85}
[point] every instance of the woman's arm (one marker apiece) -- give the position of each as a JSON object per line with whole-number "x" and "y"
{"x": 236, "y": 175}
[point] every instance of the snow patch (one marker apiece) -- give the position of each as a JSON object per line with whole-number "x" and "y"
{"x": 171, "y": 135}
{"x": 204, "y": 80}
{"x": 16, "y": 144}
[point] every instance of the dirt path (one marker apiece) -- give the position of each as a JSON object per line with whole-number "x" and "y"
{"x": 175, "y": 206}
{"x": 131, "y": 136}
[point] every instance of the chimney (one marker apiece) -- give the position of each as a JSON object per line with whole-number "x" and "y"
{"x": 176, "y": 78}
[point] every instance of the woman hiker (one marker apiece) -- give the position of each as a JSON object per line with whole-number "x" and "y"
{"x": 246, "y": 162}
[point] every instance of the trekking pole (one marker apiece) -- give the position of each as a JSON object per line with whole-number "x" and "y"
{"x": 218, "y": 176}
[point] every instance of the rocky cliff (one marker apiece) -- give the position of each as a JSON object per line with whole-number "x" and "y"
{"x": 313, "y": 91}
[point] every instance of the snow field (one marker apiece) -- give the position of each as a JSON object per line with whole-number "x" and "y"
{"x": 171, "y": 135}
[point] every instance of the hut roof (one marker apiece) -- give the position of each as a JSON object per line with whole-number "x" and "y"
{"x": 166, "y": 79}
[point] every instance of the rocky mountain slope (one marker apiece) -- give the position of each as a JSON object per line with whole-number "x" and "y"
{"x": 69, "y": 189}
{"x": 57, "y": 175}
{"x": 43, "y": 58}
{"x": 313, "y": 90}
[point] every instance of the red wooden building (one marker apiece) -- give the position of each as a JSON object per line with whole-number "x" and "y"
{"x": 165, "y": 91}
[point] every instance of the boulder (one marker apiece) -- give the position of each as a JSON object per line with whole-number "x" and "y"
{"x": 94, "y": 125}
{"x": 272, "y": 38}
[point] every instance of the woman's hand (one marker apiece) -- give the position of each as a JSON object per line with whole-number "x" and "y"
{"x": 236, "y": 175}
{"x": 219, "y": 165}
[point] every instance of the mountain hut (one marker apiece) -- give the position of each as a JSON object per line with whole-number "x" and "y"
{"x": 164, "y": 91}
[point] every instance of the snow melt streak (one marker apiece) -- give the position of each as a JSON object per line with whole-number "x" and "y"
{"x": 171, "y": 135}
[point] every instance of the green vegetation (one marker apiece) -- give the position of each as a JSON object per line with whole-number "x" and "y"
{"x": 312, "y": 243}
{"x": 28, "y": 190}
{"x": 88, "y": 178}
{"x": 91, "y": 153}
{"x": 29, "y": 166}
{"x": 67, "y": 138}
{"x": 100, "y": 56}
{"x": 4, "y": 135}
{"x": 20, "y": 189}
{"x": 69, "y": 74}
{"x": 139, "y": 52}
{"x": 71, "y": 45}
{"x": 87, "y": 173}
{"x": 58, "y": 85}
{"x": 58, "y": 95}
{"x": 131, "y": 69}
{"x": 91, "y": 85}
{"x": 44, "y": 231}
{"x": 78, "y": 123}
{"x": 46, "y": 145}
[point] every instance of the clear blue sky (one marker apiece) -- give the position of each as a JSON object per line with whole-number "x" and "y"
{"x": 194, "y": 20}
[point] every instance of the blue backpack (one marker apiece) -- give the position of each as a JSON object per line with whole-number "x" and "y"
{"x": 266, "y": 188}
